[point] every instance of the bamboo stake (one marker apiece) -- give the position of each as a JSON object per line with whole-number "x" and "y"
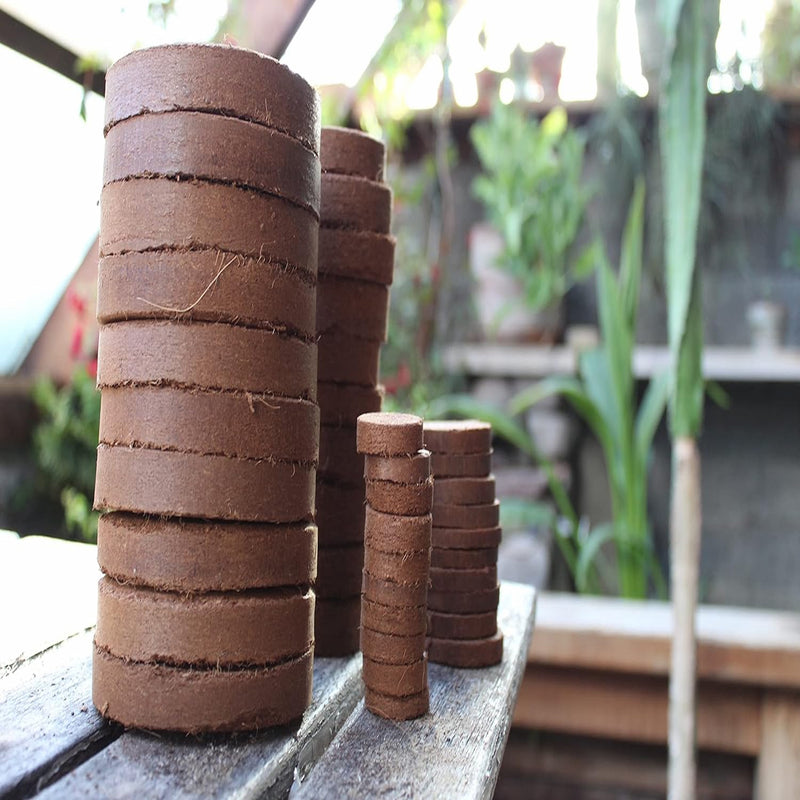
{"x": 685, "y": 534}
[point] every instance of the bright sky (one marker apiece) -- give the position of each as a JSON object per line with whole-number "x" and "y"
{"x": 52, "y": 159}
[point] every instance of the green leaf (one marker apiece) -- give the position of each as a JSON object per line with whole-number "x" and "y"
{"x": 630, "y": 269}
{"x": 589, "y": 550}
{"x": 687, "y": 410}
{"x": 651, "y": 410}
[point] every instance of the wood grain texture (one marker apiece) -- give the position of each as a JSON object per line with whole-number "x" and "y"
{"x": 47, "y": 720}
{"x": 778, "y": 770}
{"x": 141, "y": 764}
{"x": 453, "y": 752}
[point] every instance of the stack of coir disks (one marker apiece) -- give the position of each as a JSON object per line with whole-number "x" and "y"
{"x": 464, "y": 593}
{"x": 356, "y": 260}
{"x": 208, "y": 371}
{"x": 399, "y": 494}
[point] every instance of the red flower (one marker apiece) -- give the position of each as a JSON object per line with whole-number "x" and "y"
{"x": 91, "y": 368}
{"x": 76, "y": 302}
{"x": 77, "y": 342}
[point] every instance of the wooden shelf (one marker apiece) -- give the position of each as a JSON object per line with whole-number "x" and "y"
{"x": 735, "y": 364}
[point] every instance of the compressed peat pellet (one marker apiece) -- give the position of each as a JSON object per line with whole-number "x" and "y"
{"x": 406, "y": 469}
{"x": 354, "y": 254}
{"x": 341, "y": 404}
{"x": 395, "y": 680}
{"x": 469, "y": 465}
{"x": 240, "y": 424}
{"x": 399, "y": 620}
{"x": 187, "y": 145}
{"x": 391, "y": 533}
{"x": 191, "y": 700}
{"x": 212, "y": 629}
{"x": 336, "y": 626}
{"x": 461, "y": 626}
{"x": 351, "y": 202}
{"x": 403, "y": 499}
{"x": 464, "y": 602}
{"x": 345, "y": 359}
{"x": 390, "y": 593}
{"x": 347, "y": 151}
{"x": 220, "y": 79}
{"x": 463, "y": 580}
{"x": 458, "y": 436}
{"x": 396, "y": 708}
{"x": 466, "y": 538}
{"x": 339, "y": 462}
{"x": 206, "y": 286}
{"x": 467, "y": 653}
{"x": 450, "y": 515}
{"x": 157, "y": 214}
{"x": 339, "y": 571}
{"x": 204, "y": 556}
{"x": 388, "y": 434}
{"x": 208, "y": 355}
{"x": 352, "y": 307}
{"x": 407, "y": 567}
{"x": 463, "y": 559}
{"x": 388, "y": 648}
{"x": 189, "y": 485}
{"x": 340, "y": 513}
{"x": 464, "y": 491}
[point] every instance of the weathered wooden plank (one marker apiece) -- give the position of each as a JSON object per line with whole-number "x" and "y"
{"x": 47, "y": 721}
{"x": 141, "y": 764}
{"x": 778, "y": 770}
{"x": 751, "y": 646}
{"x": 455, "y": 751}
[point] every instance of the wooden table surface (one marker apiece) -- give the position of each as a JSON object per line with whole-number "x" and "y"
{"x": 54, "y": 744}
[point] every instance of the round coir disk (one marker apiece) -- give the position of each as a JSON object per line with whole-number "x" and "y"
{"x": 398, "y": 620}
{"x": 451, "y": 515}
{"x": 347, "y": 151}
{"x": 464, "y": 491}
{"x": 392, "y": 533}
{"x": 340, "y": 513}
{"x": 186, "y": 145}
{"x": 336, "y": 626}
{"x": 340, "y": 404}
{"x": 405, "y": 499}
{"x": 463, "y": 580}
{"x": 352, "y": 307}
{"x": 203, "y": 555}
{"x": 206, "y": 286}
{"x": 355, "y": 254}
{"x": 174, "y": 484}
{"x": 454, "y": 436}
{"x": 464, "y": 602}
{"x": 408, "y": 567}
{"x": 467, "y": 653}
{"x": 451, "y": 558}
{"x": 221, "y": 79}
{"x": 395, "y": 680}
{"x": 259, "y": 627}
{"x": 348, "y": 201}
{"x": 386, "y": 433}
{"x": 466, "y": 538}
{"x": 159, "y": 214}
{"x": 396, "y": 708}
{"x": 389, "y": 593}
{"x": 193, "y": 700}
{"x": 206, "y": 354}
{"x": 388, "y": 648}
{"x": 238, "y": 423}
{"x": 339, "y": 571}
{"x": 469, "y": 465}
{"x": 345, "y": 359}
{"x": 461, "y": 626}
{"x": 406, "y": 469}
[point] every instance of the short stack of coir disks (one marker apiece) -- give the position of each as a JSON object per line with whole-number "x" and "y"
{"x": 464, "y": 593}
{"x": 399, "y": 494}
{"x": 356, "y": 261}
{"x": 207, "y": 368}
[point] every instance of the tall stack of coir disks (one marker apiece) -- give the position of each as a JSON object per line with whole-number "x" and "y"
{"x": 463, "y": 594}
{"x": 399, "y": 493}
{"x": 356, "y": 262}
{"x": 208, "y": 372}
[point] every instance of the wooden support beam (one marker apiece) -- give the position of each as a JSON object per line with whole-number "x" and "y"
{"x": 35, "y": 45}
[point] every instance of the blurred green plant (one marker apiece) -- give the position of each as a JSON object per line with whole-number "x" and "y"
{"x": 532, "y": 189}
{"x": 65, "y": 448}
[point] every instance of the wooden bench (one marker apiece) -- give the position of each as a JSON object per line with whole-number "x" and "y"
{"x": 54, "y": 744}
{"x": 599, "y": 667}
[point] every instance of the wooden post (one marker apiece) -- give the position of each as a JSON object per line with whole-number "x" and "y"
{"x": 685, "y": 530}
{"x": 778, "y": 769}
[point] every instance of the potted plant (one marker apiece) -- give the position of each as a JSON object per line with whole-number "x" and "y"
{"x": 525, "y": 259}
